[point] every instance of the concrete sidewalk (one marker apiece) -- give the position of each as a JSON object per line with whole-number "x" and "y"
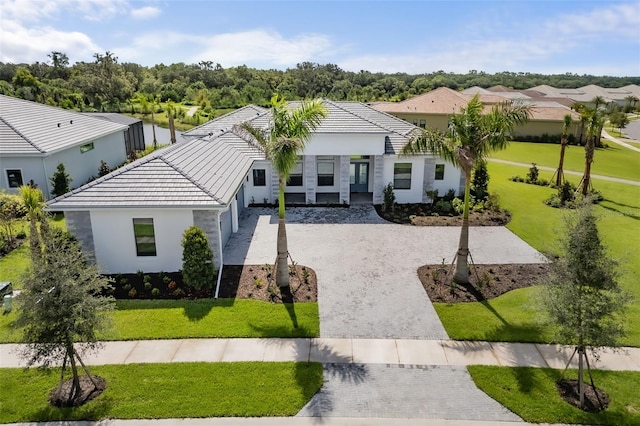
{"x": 341, "y": 351}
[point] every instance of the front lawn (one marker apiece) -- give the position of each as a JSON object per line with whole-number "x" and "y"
{"x": 181, "y": 319}
{"x": 613, "y": 161}
{"x": 180, "y": 390}
{"x": 531, "y": 394}
{"x": 513, "y": 316}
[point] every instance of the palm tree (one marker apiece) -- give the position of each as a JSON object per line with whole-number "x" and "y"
{"x": 594, "y": 127}
{"x": 33, "y": 201}
{"x": 566, "y": 127}
{"x": 597, "y": 101}
{"x": 282, "y": 142}
{"x": 469, "y": 139}
{"x": 631, "y": 103}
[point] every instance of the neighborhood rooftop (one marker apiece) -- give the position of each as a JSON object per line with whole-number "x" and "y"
{"x": 33, "y": 128}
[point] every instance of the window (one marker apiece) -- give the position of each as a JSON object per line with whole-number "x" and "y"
{"x": 86, "y": 148}
{"x": 259, "y": 177}
{"x": 145, "y": 237}
{"x": 415, "y": 122}
{"x": 14, "y": 177}
{"x": 325, "y": 173}
{"x": 439, "y": 171}
{"x": 423, "y": 123}
{"x": 295, "y": 178}
{"x": 402, "y": 176}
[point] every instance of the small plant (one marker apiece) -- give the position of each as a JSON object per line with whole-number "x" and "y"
{"x": 433, "y": 195}
{"x": 140, "y": 273}
{"x": 292, "y": 268}
{"x": 450, "y": 195}
{"x": 268, "y": 268}
{"x": 265, "y": 201}
{"x": 481, "y": 181}
{"x": 484, "y": 281}
{"x": 532, "y": 175}
{"x": 172, "y": 285}
{"x": 458, "y": 205}
{"x": 155, "y": 292}
{"x": 147, "y": 286}
{"x": 21, "y": 235}
{"x": 146, "y": 279}
{"x": 257, "y": 282}
{"x": 123, "y": 281}
{"x": 126, "y": 287}
{"x": 132, "y": 293}
{"x": 166, "y": 280}
{"x": 178, "y": 292}
{"x": 388, "y": 198}
{"x": 444, "y": 207}
{"x": 305, "y": 275}
{"x": 103, "y": 169}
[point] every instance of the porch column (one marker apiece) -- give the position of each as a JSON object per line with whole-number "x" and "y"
{"x": 310, "y": 173}
{"x": 345, "y": 184}
{"x": 378, "y": 178}
{"x": 207, "y": 220}
{"x": 274, "y": 186}
{"x": 429, "y": 178}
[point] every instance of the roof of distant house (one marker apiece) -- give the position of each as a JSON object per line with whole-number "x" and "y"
{"x": 30, "y": 128}
{"x": 114, "y": 117}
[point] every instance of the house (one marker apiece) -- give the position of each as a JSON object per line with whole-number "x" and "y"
{"x": 35, "y": 138}
{"x": 586, "y": 94}
{"x": 133, "y": 218}
{"x": 133, "y": 137}
{"x": 433, "y": 109}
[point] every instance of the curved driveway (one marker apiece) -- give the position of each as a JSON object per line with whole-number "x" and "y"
{"x": 367, "y": 268}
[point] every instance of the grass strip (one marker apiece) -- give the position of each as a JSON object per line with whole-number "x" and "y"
{"x": 531, "y": 394}
{"x": 180, "y": 319}
{"x": 153, "y": 391}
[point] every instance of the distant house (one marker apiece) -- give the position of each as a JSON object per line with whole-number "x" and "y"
{"x": 586, "y": 94}
{"x": 433, "y": 109}
{"x": 35, "y": 138}
{"x": 133, "y": 137}
{"x": 211, "y": 177}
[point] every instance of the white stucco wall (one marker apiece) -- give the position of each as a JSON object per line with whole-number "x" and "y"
{"x": 115, "y": 246}
{"x": 31, "y": 167}
{"x": 258, "y": 194}
{"x": 345, "y": 144}
{"x": 414, "y": 194}
{"x": 81, "y": 166}
{"x": 451, "y": 178}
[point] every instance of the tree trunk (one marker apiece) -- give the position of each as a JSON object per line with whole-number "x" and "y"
{"x": 34, "y": 239}
{"x": 581, "y": 375}
{"x": 172, "y": 129}
{"x": 153, "y": 129}
{"x": 461, "y": 275}
{"x": 282, "y": 267}
{"x": 560, "y": 172}
{"x": 588, "y": 154}
{"x": 75, "y": 388}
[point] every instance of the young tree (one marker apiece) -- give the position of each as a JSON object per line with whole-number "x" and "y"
{"x": 283, "y": 141}
{"x": 471, "y": 136}
{"x": 564, "y": 139}
{"x": 594, "y": 128}
{"x": 481, "y": 181}
{"x": 11, "y": 209}
{"x": 60, "y": 181}
{"x": 62, "y": 310}
{"x": 198, "y": 270}
{"x": 33, "y": 202}
{"x": 583, "y": 299}
{"x": 103, "y": 169}
{"x": 619, "y": 119}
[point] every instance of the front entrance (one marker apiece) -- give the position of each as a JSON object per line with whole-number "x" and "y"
{"x": 359, "y": 177}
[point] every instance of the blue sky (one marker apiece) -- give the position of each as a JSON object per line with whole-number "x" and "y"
{"x": 584, "y": 37}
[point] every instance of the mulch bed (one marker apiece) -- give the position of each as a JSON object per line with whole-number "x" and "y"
{"x": 421, "y": 215}
{"x": 486, "y": 281}
{"x": 59, "y": 397}
{"x": 255, "y": 282}
{"x": 595, "y": 399}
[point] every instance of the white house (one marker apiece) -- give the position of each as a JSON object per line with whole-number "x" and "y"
{"x": 133, "y": 218}
{"x": 35, "y": 138}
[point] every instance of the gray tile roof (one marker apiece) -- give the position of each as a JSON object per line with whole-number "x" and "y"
{"x": 32, "y": 128}
{"x": 226, "y": 122}
{"x": 201, "y": 173}
{"x": 114, "y": 117}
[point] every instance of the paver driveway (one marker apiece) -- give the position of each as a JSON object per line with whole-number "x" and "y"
{"x": 367, "y": 268}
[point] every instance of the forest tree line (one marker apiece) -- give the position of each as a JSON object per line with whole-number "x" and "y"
{"x": 105, "y": 84}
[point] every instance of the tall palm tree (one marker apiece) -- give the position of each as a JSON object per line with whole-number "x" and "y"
{"x": 597, "y": 101}
{"x": 282, "y": 142}
{"x": 564, "y": 139}
{"x": 469, "y": 139}
{"x": 631, "y": 102}
{"x": 594, "y": 127}
{"x": 33, "y": 201}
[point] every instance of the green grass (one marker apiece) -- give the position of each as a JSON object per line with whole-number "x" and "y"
{"x": 15, "y": 264}
{"x": 178, "y": 319}
{"x": 531, "y": 394}
{"x": 181, "y": 390}
{"x": 513, "y": 316}
{"x": 614, "y": 161}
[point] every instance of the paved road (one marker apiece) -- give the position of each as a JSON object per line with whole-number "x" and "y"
{"x": 633, "y": 130}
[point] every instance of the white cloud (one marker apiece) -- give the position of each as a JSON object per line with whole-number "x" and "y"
{"x": 19, "y": 44}
{"x": 39, "y": 10}
{"x": 146, "y": 12}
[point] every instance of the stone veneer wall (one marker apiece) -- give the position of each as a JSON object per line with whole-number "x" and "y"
{"x": 207, "y": 220}
{"x": 310, "y": 178}
{"x": 378, "y": 178}
{"x": 345, "y": 185}
{"x": 79, "y": 224}
{"x": 429, "y": 178}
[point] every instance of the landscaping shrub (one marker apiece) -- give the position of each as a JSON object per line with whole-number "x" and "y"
{"x": 60, "y": 181}
{"x": 197, "y": 259}
{"x": 104, "y": 169}
{"x": 532, "y": 176}
{"x": 389, "y": 198}
{"x": 450, "y": 195}
{"x": 480, "y": 183}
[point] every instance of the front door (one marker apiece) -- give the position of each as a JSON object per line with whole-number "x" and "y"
{"x": 359, "y": 177}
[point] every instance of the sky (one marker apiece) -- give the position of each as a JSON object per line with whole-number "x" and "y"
{"x": 550, "y": 37}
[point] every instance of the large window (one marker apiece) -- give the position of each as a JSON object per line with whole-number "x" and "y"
{"x": 439, "y": 171}
{"x": 325, "y": 173}
{"x": 423, "y": 123}
{"x": 402, "y": 176}
{"x": 259, "y": 177}
{"x": 295, "y": 178}
{"x": 145, "y": 237}
{"x": 14, "y": 178}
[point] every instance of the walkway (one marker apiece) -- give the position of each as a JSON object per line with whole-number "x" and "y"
{"x": 618, "y": 141}
{"x": 568, "y": 172}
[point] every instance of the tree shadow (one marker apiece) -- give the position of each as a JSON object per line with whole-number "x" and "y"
{"x": 287, "y": 301}
{"x": 621, "y": 212}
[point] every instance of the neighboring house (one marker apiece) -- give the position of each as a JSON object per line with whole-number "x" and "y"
{"x": 35, "y": 138}
{"x": 586, "y": 94}
{"x": 133, "y": 218}
{"x": 433, "y": 109}
{"x": 133, "y": 137}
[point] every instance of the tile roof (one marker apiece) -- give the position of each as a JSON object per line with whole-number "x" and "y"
{"x": 31, "y": 128}
{"x": 226, "y": 122}
{"x": 114, "y": 117}
{"x": 202, "y": 172}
